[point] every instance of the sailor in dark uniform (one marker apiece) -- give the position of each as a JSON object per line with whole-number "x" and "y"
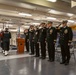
{"x": 31, "y": 39}
{"x": 65, "y": 40}
{"x": 42, "y": 39}
{"x": 6, "y": 40}
{"x": 36, "y": 38}
{"x": 51, "y": 40}
{"x": 26, "y": 33}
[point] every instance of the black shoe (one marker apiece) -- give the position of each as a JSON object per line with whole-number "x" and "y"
{"x": 62, "y": 62}
{"x": 26, "y": 51}
{"x": 40, "y": 57}
{"x": 66, "y": 63}
{"x": 43, "y": 57}
{"x": 52, "y": 61}
{"x": 31, "y": 53}
{"x": 49, "y": 60}
{"x": 36, "y": 56}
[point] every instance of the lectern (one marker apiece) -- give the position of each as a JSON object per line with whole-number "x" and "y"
{"x": 20, "y": 45}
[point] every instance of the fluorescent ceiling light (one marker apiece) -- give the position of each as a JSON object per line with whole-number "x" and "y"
{"x": 51, "y": 18}
{"x": 52, "y": 0}
{"x": 70, "y": 14}
{"x": 36, "y": 23}
{"x": 26, "y": 26}
{"x": 9, "y": 25}
{"x": 55, "y": 12}
{"x": 59, "y": 12}
{"x": 25, "y": 14}
{"x": 13, "y": 30}
{"x": 36, "y": 19}
{"x": 71, "y": 21}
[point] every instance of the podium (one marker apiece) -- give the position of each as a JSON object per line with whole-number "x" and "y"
{"x": 20, "y": 45}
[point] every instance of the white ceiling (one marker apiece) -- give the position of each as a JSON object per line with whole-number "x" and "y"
{"x": 10, "y": 9}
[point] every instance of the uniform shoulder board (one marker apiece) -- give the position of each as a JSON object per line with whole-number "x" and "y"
{"x": 68, "y": 28}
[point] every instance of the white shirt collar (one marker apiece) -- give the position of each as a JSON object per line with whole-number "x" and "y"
{"x": 50, "y": 27}
{"x": 64, "y": 26}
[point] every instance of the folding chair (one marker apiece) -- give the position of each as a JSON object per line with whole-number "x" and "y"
{"x": 72, "y": 50}
{"x": 58, "y": 52}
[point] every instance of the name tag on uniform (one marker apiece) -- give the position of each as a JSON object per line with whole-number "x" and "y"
{"x": 51, "y": 31}
{"x": 66, "y": 31}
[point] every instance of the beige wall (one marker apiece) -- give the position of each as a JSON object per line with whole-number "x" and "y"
{"x": 13, "y": 38}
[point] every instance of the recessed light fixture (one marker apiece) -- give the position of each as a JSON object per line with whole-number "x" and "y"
{"x": 71, "y": 21}
{"x": 25, "y": 14}
{"x": 55, "y": 12}
{"x": 52, "y": 0}
{"x": 26, "y": 26}
{"x": 52, "y": 11}
{"x": 36, "y": 23}
{"x": 36, "y": 19}
{"x": 70, "y": 14}
{"x": 13, "y": 30}
{"x": 9, "y": 25}
{"x": 51, "y": 18}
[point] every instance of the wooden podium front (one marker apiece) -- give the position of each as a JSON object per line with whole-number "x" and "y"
{"x": 20, "y": 45}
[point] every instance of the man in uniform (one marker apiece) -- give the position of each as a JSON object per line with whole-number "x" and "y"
{"x": 42, "y": 39}
{"x": 65, "y": 40}
{"x": 36, "y": 38}
{"x": 26, "y": 33}
{"x": 31, "y": 39}
{"x": 51, "y": 40}
{"x": 6, "y": 40}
